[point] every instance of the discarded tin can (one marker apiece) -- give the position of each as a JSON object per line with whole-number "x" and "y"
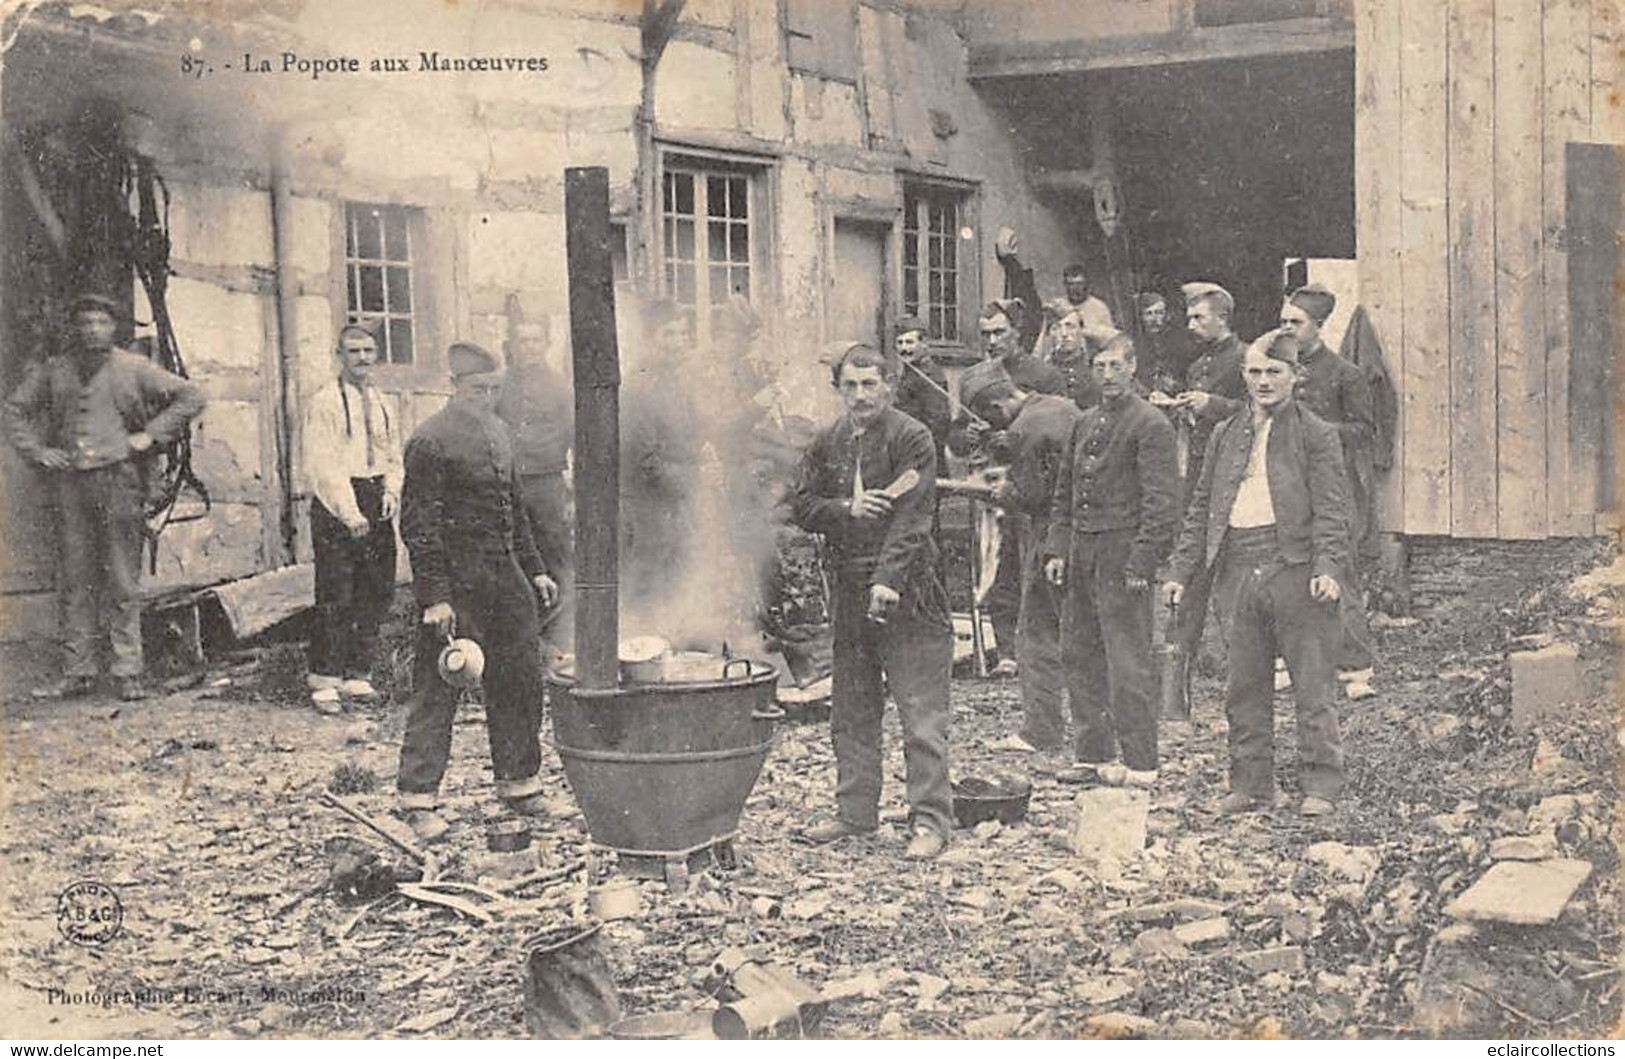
{"x": 758, "y": 1015}
{"x": 664, "y": 1026}
{"x": 569, "y": 991}
{"x": 507, "y": 835}
{"x": 744, "y": 974}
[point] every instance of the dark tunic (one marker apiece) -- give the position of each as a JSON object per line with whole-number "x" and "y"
{"x": 460, "y": 504}
{"x": 898, "y": 551}
{"x": 1119, "y": 475}
{"x": 923, "y": 401}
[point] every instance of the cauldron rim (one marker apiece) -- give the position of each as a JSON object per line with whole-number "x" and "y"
{"x": 769, "y": 674}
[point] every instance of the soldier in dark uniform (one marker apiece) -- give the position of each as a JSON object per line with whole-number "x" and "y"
{"x": 1071, "y": 356}
{"x": 1000, "y": 325}
{"x": 1112, "y": 523}
{"x": 922, "y": 385}
{"x": 1034, "y": 435}
{"x": 477, "y": 574}
{"x": 1337, "y": 391}
{"x": 1214, "y": 390}
{"x": 889, "y": 606}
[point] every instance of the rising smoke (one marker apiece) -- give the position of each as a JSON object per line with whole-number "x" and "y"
{"x": 698, "y": 488}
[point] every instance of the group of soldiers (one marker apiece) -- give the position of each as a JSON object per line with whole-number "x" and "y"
{"x": 1275, "y": 492}
{"x": 1102, "y": 518}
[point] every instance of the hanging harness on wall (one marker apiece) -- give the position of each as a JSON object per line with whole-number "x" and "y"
{"x": 148, "y": 253}
{"x": 97, "y": 243}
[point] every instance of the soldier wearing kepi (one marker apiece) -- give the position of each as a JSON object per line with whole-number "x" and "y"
{"x": 866, "y": 483}
{"x": 922, "y": 385}
{"x": 1034, "y": 430}
{"x": 95, "y": 420}
{"x": 1115, "y": 509}
{"x": 477, "y": 574}
{"x": 1269, "y": 518}
{"x": 1337, "y": 391}
{"x": 353, "y": 462}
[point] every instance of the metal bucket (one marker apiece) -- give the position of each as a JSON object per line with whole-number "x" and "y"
{"x": 664, "y": 769}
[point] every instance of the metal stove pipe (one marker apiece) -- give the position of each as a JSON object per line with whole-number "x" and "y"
{"x": 596, "y": 359}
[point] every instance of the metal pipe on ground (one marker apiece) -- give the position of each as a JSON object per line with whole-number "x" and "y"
{"x": 596, "y": 360}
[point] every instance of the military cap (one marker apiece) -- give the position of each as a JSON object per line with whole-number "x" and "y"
{"x": 1194, "y": 292}
{"x": 1278, "y": 345}
{"x": 92, "y": 302}
{"x": 1315, "y": 300}
{"x": 909, "y": 323}
{"x": 466, "y": 358}
{"x": 370, "y": 328}
{"x": 984, "y": 379}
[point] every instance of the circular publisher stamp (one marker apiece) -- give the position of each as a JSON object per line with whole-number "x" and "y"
{"x": 89, "y": 913}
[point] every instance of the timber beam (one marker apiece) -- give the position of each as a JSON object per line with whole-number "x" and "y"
{"x": 993, "y": 62}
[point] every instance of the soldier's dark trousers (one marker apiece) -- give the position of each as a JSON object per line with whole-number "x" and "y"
{"x": 1004, "y": 596}
{"x": 495, "y": 607}
{"x": 1038, "y": 648}
{"x": 1275, "y": 616}
{"x": 547, "y": 504}
{"x": 100, "y": 528}
{"x": 355, "y": 584}
{"x": 911, "y": 655}
{"x": 1106, "y": 649}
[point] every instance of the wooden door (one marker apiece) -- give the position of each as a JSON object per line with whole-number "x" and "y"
{"x": 857, "y": 283}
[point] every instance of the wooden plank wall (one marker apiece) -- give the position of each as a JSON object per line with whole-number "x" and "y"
{"x": 1464, "y": 108}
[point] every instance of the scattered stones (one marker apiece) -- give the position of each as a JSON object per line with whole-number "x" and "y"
{"x": 892, "y": 1025}
{"x": 987, "y": 829}
{"x": 1529, "y": 893}
{"x": 1544, "y": 680}
{"x": 931, "y": 987}
{"x": 1110, "y": 822}
{"x": 1117, "y": 1025}
{"x": 1355, "y": 863}
{"x": 1106, "y": 989}
{"x": 1444, "y": 727}
{"x": 1203, "y": 931}
{"x": 1558, "y": 809}
{"x": 1182, "y": 908}
{"x": 1062, "y": 878}
{"x": 1524, "y": 847}
{"x": 1287, "y": 959}
{"x": 995, "y": 1027}
{"x": 1160, "y": 942}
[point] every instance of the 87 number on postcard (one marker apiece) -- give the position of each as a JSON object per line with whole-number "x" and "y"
{"x": 89, "y": 913}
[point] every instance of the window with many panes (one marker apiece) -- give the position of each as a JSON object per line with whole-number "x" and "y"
{"x": 933, "y": 271}
{"x": 378, "y": 275}
{"x": 707, "y": 234}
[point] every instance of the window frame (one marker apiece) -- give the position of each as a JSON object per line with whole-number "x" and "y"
{"x": 757, "y": 172}
{"x": 967, "y": 256}
{"x": 417, "y": 239}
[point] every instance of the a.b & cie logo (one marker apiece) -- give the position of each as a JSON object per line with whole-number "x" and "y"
{"x": 89, "y": 913}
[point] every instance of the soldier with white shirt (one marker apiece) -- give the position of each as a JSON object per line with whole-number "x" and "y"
{"x": 353, "y": 462}
{"x": 1269, "y": 519}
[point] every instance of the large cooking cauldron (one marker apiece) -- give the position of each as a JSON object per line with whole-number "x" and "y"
{"x": 662, "y": 770}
